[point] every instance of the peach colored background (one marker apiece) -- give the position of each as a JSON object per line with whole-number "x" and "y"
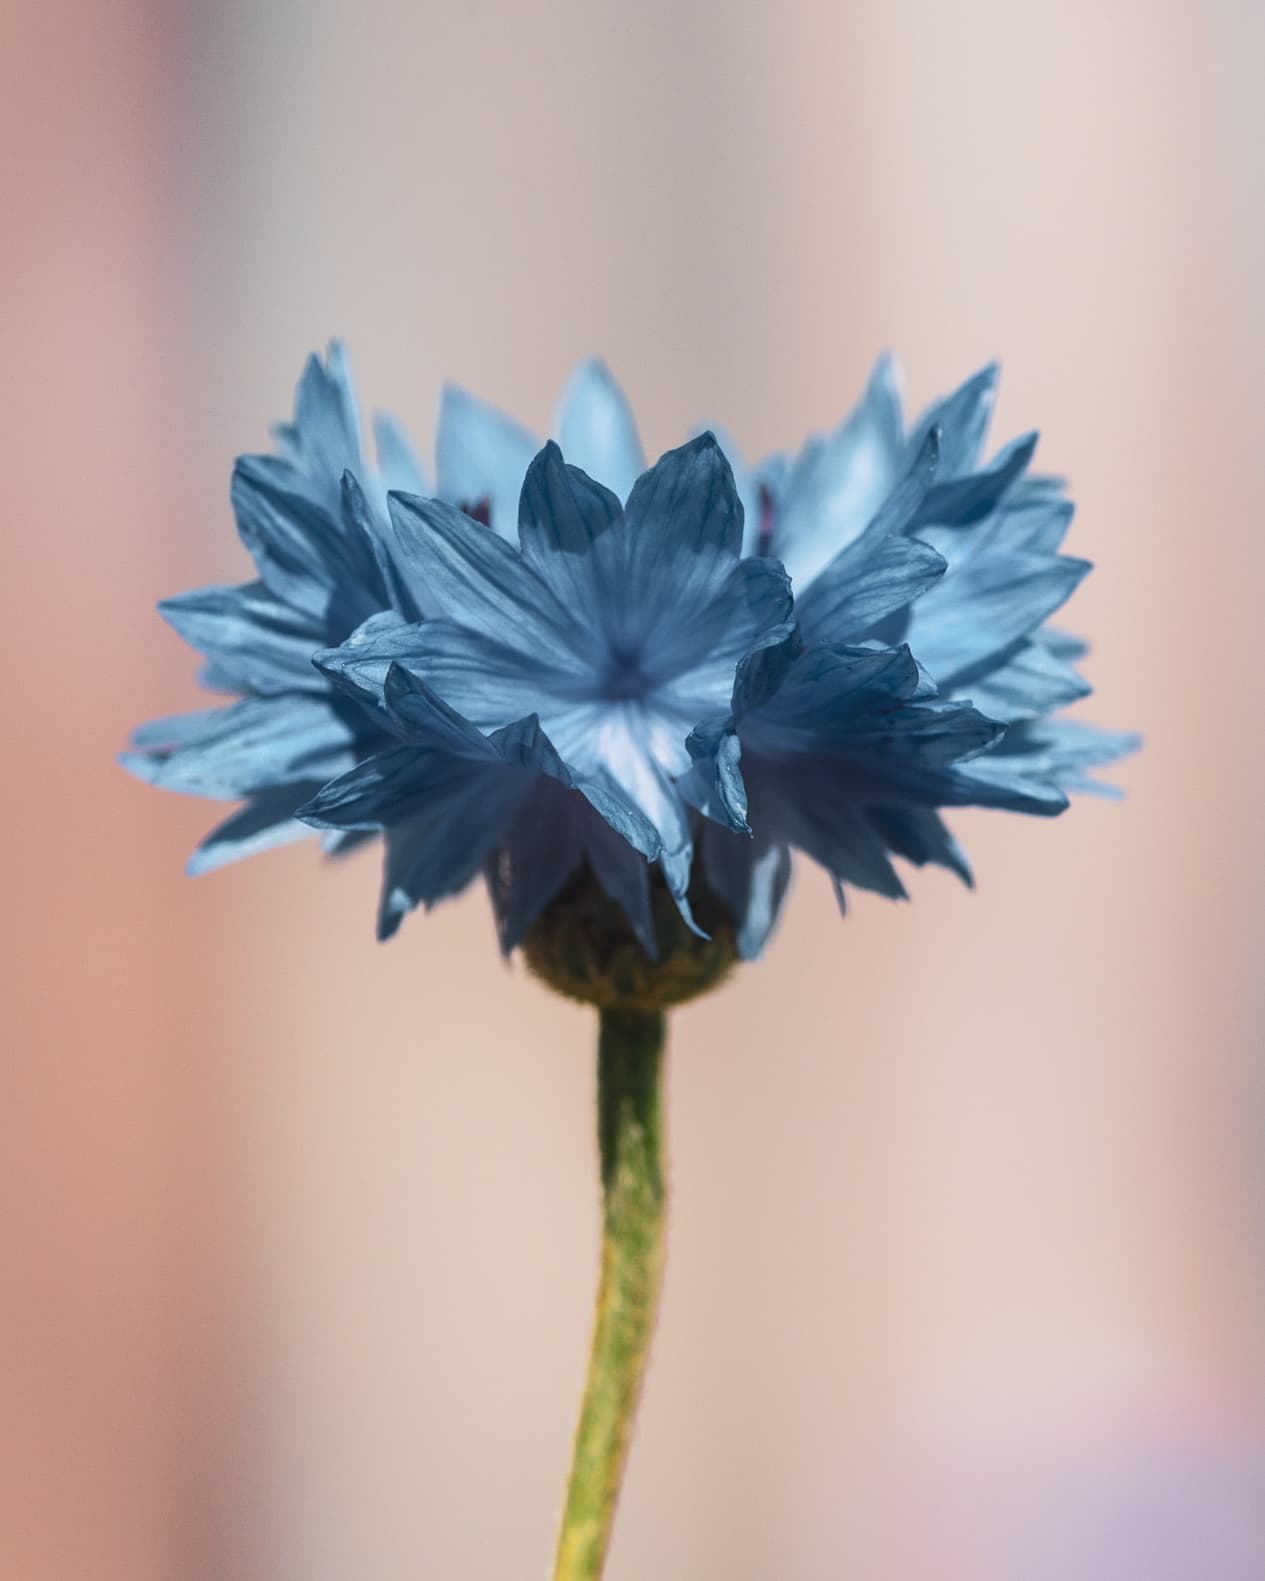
{"x": 966, "y": 1267}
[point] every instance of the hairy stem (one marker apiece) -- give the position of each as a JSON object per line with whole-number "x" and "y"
{"x": 630, "y": 1137}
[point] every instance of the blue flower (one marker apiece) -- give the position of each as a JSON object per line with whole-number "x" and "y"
{"x": 636, "y": 667}
{"x": 604, "y": 638}
{"x": 318, "y": 542}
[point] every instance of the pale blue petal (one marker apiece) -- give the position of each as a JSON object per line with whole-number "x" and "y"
{"x": 971, "y": 620}
{"x": 836, "y": 485}
{"x": 481, "y": 457}
{"x": 252, "y": 746}
{"x": 1032, "y": 681}
{"x": 596, "y": 429}
{"x": 963, "y": 419}
{"x": 399, "y": 466}
{"x": 323, "y": 441}
{"x": 257, "y": 643}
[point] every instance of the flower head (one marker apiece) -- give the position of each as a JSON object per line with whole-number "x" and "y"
{"x": 598, "y": 684}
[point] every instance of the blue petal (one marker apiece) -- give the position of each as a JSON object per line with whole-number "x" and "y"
{"x": 308, "y": 557}
{"x": 685, "y": 512}
{"x": 963, "y": 419}
{"x": 471, "y": 576}
{"x": 1059, "y": 753}
{"x": 396, "y": 586}
{"x": 158, "y": 737}
{"x": 323, "y": 441}
{"x": 879, "y": 572}
{"x": 966, "y": 499}
{"x": 970, "y": 622}
{"x": 625, "y": 877}
{"x": 1032, "y": 681}
{"x": 919, "y": 835}
{"x": 266, "y": 822}
{"x": 565, "y": 532}
{"x": 714, "y": 784}
{"x": 746, "y": 482}
{"x": 539, "y": 853}
{"x": 399, "y": 468}
{"x": 552, "y": 834}
{"x": 255, "y": 642}
{"x": 481, "y": 456}
{"x": 845, "y": 604}
{"x": 596, "y": 429}
{"x": 256, "y": 745}
{"x": 751, "y": 877}
{"x": 836, "y": 485}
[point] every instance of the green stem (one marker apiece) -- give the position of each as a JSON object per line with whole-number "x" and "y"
{"x": 630, "y": 1136}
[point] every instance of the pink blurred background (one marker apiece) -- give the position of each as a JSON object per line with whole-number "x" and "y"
{"x": 967, "y": 1243}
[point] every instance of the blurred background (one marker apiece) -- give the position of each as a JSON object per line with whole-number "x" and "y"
{"x": 967, "y": 1247}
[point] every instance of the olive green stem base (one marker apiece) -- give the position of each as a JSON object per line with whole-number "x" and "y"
{"x": 630, "y": 1136}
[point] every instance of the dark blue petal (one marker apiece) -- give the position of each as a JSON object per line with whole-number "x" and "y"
{"x": 919, "y": 835}
{"x": 684, "y": 513}
{"x": 746, "y": 483}
{"x": 394, "y": 586}
{"x": 960, "y": 501}
{"x": 751, "y": 877}
{"x": 448, "y": 842}
{"x": 476, "y": 579}
{"x": 538, "y": 854}
{"x": 565, "y": 526}
{"x": 306, "y": 555}
{"x": 264, "y": 823}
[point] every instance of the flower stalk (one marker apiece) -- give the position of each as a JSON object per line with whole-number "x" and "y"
{"x": 630, "y": 1139}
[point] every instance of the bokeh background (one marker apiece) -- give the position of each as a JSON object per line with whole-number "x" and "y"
{"x": 967, "y": 1256}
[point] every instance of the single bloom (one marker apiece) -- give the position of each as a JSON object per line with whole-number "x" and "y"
{"x": 567, "y": 666}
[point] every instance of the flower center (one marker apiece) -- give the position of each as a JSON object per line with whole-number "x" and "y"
{"x": 625, "y": 680}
